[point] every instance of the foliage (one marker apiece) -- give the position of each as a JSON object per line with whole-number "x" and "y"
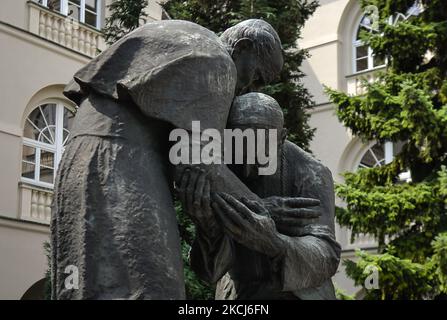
{"x": 196, "y": 289}
{"x": 287, "y": 17}
{"x": 399, "y": 278}
{"x": 407, "y": 104}
{"x": 404, "y": 278}
{"x": 341, "y": 295}
{"x": 125, "y": 16}
{"x": 439, "y": 262}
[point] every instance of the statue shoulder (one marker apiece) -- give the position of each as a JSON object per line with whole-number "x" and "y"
{"x": 166, "y": 68}
{"x": 302, "y": 160}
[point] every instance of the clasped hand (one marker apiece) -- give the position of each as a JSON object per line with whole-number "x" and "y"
{"x": 260, "y": 226}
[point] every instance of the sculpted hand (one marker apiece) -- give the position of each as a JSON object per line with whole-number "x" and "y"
{"x": 248, "y": 223}
{"x": 292, "y": 214}
{"x": 194, "y": 194}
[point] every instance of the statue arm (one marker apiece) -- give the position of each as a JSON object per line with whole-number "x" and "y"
{"x": 314, "y": 255}
{"x": 211, "y": 254}
{"x": 309, "y": 259}
{"x": 222, "y": 179}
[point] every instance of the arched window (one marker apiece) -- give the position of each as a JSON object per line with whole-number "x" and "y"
{"x": 364, "y": 58}
{"x": 379, "y": 154}
{"x": 47, "y": 129}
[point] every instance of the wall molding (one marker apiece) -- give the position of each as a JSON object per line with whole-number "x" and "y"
{"x": 19, "y": 224}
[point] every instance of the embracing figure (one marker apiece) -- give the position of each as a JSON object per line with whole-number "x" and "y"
{"x": 113, "y": 218}
{"x": 282, "y": 247}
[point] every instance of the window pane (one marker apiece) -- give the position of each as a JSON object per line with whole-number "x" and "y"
{"x": 28, "y": 162}
{"x": 397, "y": 147}
{"x": 73, "y": 11}
{"x": 366, "y": 23}
{"x": 379, "y": 152}
{"x": 416, "y": 9}
{"x": 28, "y": 170}
{"x": 374, "y": 157}
{"x": 90, "y": 18}
{"x": 368, "y": 160}
{"x": 29, "y": 131}
{"x": 68, "y": 118}
{"x": 46, "y": 166}
{"x": 361, "y": 51}
{"x": 47, "y": 122}
{"x": 90, "y": 5}
{"x": 68, "y": 122}
{"x": 362, "y": 64}
{"x": 378, "y": 61}
{"x": 54, "y": 5}
{"x": 41, "y": 124}
{"x": 47, "y": 158}
{"x": 46, "y": 175}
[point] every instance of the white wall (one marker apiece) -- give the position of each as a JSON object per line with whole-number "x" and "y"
{"x": 31, "y": 69}
{"x": 23, "y": 261}
{"x": 328, "y": 36}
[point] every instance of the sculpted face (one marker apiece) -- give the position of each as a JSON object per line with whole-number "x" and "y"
{"x": 252, "y": 71}
{"x": 260, "y": 114}
{"x": 246, "y": 60}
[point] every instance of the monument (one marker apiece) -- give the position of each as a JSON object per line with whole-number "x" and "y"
{"x": 287, "y": 253}
{"x": 113, "y": 219}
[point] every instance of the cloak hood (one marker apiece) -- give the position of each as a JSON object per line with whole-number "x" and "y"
{"x": 173, "y": 70}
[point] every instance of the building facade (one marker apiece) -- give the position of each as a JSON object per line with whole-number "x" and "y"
{"x": 339, "y": 60}
{"x": 44, "y": 42}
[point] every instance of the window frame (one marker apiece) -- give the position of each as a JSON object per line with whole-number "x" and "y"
{"x": 82, "y": 10}
{"x": 358, "y": 43}
{"x": 57, "y": 148}
{"x": 388, "y": 155}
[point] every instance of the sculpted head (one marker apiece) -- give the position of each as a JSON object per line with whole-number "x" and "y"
{"x": 256, "y": 51}
{"x": 257, "y": 111}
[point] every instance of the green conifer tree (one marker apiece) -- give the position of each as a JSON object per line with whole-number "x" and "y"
{"x": 407, "y": 104}
{"x": 125, "y": 16}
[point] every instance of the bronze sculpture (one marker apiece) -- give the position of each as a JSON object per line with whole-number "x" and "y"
{"x": 281, "y": 254}
{"x": 113, "y": 216}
